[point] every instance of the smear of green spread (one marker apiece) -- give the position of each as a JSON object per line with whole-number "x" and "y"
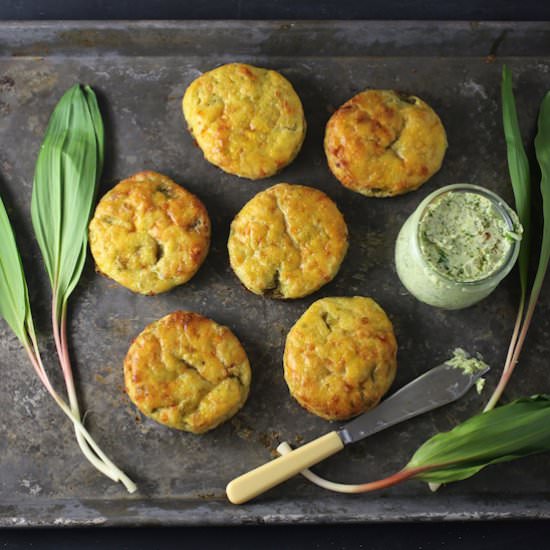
{"x": 469, "y": 365}
{"x": 464, "y": 237}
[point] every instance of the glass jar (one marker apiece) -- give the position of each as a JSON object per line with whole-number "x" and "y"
{"x": 429, "y": 285}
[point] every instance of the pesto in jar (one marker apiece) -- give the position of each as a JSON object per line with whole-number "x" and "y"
{"x": 463, "y": 237}
{"x": 457, "y": 246}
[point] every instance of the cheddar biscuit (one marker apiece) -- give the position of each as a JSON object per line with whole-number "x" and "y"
{"x": 149, "y": 234}
{"x": 381, "y": 143}
{"x": 287, "y": 241}
{"x": 248, "y": 121}
{"x": 187, "y": 372}
{"x": 340, "y": 357}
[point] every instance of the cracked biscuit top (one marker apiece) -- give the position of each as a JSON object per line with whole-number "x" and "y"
{"x": 340, "y": 357}
{"x": 248, "y": 121}
{"x": 187, "y": 372}
{"x": 287, "y": 241}
{"x": 381, "y": 143}
{"x": 149, "y": 234}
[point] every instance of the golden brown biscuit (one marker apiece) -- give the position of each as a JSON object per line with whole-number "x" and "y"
{"x": 248, "y": 121}
{"x": 287, "y": 241}
{"x": 149, "y": 234}
{"x": 187, "y": 372}
{"x": 380, "y": 143}
{"x": 340, "y": 357}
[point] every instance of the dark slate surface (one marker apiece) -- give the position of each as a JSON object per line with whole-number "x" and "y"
{"x": 43, "y": 478}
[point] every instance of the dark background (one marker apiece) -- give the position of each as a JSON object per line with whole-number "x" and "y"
{"x": 427, "y": 536}
{"x": 519, "y": 10}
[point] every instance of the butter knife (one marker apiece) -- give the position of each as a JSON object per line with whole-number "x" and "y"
{"x": 435, "y": 388}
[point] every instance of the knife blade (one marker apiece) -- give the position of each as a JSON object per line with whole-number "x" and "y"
{"x": 437, "y": 387}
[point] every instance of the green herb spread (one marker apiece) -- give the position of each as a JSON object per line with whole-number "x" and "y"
{"x": 464, "y": 237}
{"x": 469, "y": 365}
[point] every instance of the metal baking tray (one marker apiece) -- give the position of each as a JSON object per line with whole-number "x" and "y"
{"x": 140, "y": 71}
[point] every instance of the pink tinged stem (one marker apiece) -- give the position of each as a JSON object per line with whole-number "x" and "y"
{"x": 40, "y": 371}
{"x": 515, "y": 334}
{"x": 389, "y": 481}
{"x": 59, "y": 327}
{"x": 515, "y": 357}
{"x": 106, "y": 467}
{"x": 385, "y": 483}
{"x": 504, "y": 377}
{"x": 406, "y": 473}
{"x": 59, "y": 335}
{"x": 88, "y": 446}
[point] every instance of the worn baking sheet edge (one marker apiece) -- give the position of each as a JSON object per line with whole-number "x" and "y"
{"x": 66, "y": 513}
{"x": 384, "y": 38}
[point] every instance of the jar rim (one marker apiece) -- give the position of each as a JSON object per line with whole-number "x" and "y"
{"x": 500, "y": 206}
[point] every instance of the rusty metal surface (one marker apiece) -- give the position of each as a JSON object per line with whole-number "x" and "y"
{"x": 140, "y": 71}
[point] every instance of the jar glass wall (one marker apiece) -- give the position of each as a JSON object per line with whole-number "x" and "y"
{"x": 428, "y": 284}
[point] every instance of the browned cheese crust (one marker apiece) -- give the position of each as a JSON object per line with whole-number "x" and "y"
{"x": 187, "y": 372}
{"x": 381, "y": 143}
{"x": 340, "y": 357}
{"x": 149, "y": 234}
{"x": 287, "y": 241}
{"x": 247, "y": 120}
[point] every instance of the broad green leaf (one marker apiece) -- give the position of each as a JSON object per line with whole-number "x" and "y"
{"x": 518, "y": 167}
{"x": 67, "y": 171}
{"x": 14, "y": 301}
{"x": 98, "y": 125}
{"x": 512, "y": 431}
{"x": 542, "y": 150}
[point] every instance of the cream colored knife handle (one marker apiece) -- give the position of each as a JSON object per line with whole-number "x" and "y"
{"x": 263, "y": 478}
